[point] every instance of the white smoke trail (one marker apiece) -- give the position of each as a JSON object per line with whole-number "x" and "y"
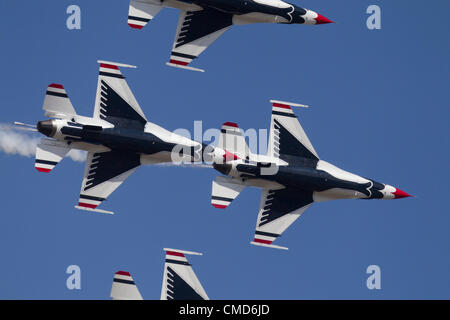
{"x": 14, "y": 142}
{"x": 22, "y": 141}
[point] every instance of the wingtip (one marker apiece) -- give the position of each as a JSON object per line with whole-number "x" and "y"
{"x": 287, "y": 104}
{"x": 176, "y": 65}
{"x": 268, "y": 245}
{"x": 182, "y": 251}
{"x": 117, "y": 64}
{"x": 94, "y": 210}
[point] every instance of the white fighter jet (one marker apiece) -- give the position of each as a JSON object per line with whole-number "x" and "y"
{"x": 201, "y": 22}
{"x": 118, "y": 137}
{"x": 291, "y": 175}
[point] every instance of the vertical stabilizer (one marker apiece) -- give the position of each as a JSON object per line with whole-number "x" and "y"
{"x": 179, "y": 279}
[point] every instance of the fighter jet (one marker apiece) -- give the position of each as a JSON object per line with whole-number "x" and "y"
{"x": 291, "y": 175}
{"x": 201, "y": 22}
{"x": 118, "y": 138}
{"x": 179, "y": 280}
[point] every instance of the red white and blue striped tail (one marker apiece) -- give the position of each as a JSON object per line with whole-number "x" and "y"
{"x": 124, "y": 288}
{"x": 179, "y": 279}
{"x": 140, "y": 13}
{"x": 284, "y": 126}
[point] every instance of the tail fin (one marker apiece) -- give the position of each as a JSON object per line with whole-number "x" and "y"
{"x": 48, "y": 154}
{"x": 233, "y": 140}
{"x": 124, "y": 288}
{"x": 140, "y": 13}
{"x": 179, "y": 279}
{"x": 224, "y": 190}
{"x": 56, "y": 103}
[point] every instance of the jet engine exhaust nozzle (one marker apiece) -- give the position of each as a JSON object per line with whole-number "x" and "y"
{"x": 46, "y": 127}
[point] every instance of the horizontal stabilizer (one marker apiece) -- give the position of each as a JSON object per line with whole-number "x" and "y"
{"x": 56, "y": 103}
{"x": 140, "y": 13}
{"x": 124, "y": 288}
{"x": 48, "y": 154}
{"x": 224, "y": 190}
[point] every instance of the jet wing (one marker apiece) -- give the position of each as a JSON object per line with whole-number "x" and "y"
{"x": 114, "y": 101}
{"x": 287, "y": 138}
{"x": 195, "y": 32}
{"x": 104, "y": 173}
{"x": 124, "y": 288}
{"x": 277, "y": 211}
{"x": 179, "y": 279}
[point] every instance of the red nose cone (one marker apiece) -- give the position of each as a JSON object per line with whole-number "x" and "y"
{"x": 228, "y": 156}
{"x": 400, "y": 194}
{"x": 322, "y": 20}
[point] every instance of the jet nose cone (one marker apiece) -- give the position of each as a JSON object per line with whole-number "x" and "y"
{"x": 398, "y": 194}
{"x": 322, "y": 20}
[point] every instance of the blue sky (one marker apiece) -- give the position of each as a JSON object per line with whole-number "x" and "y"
{"x": 379, "y": 108}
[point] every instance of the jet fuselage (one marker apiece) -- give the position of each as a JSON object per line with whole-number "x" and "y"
{"x": 149, "y": 141}
{"x": 253, "y": 11}
{"x": 290, "y": 12}
{"x": 324, "y": 180}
